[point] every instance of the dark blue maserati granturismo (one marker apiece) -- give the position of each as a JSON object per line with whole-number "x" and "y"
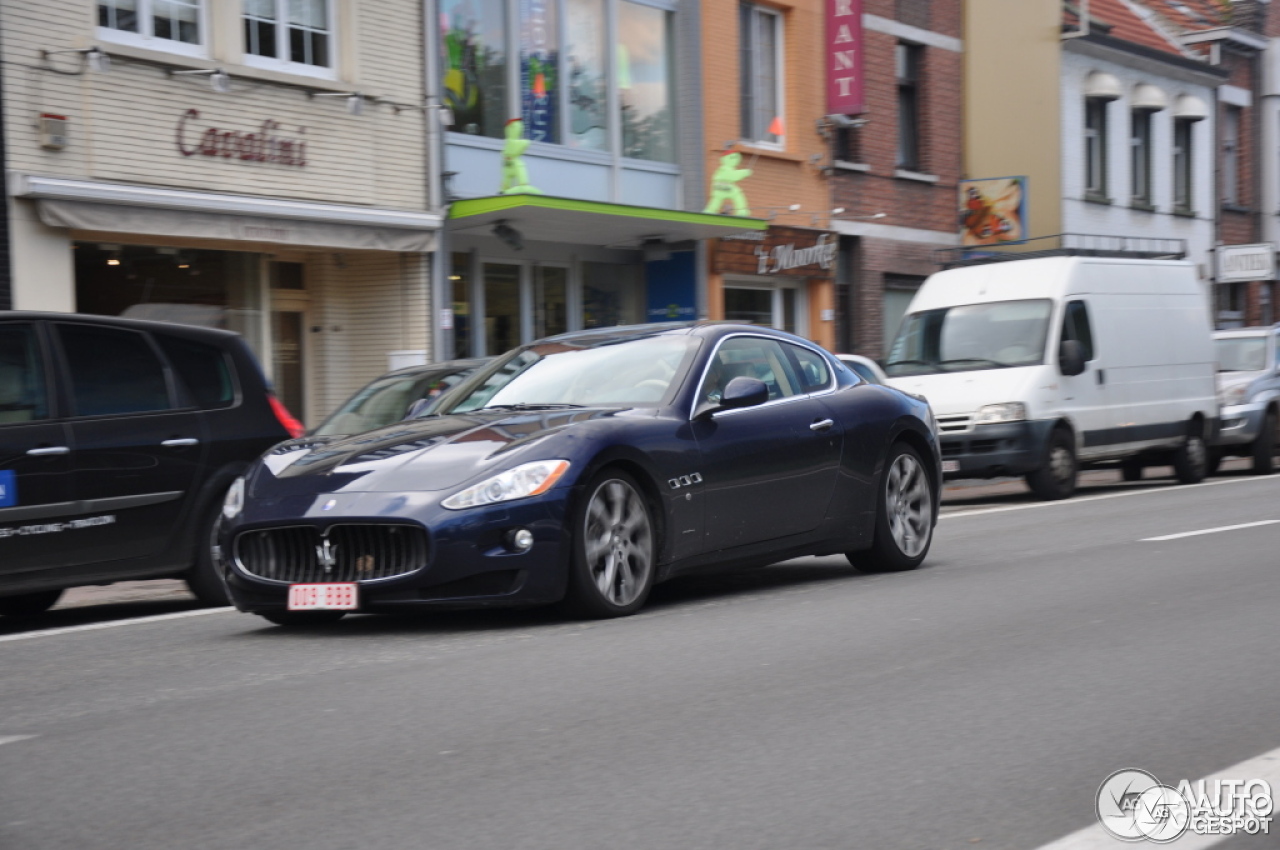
{"x": 586, "y": 467}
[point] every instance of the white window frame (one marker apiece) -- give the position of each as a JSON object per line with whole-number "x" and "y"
{"x": 1140, "y": 155}
{"x": 278, "y": 62}
{"x": 144, "y": 38}
{"x": 756, "y": 136}
{"x": 776, "y": 286}
{"x": 1096, "y": 140}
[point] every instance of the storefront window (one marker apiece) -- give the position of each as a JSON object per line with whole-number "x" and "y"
{"x": 460, "y": 283}
{"x": 550, "y": 303}
{"x": 217, "y": 289}
{"x": 611, "y": 295}
{"x": 775, "y": 307}
{"x": 475, "y": 55}
{"x": 540, "y": 70}
{"x": 585, "y": 66}
{"x": 644, "y": 82}
{"x": 501, "y": 307}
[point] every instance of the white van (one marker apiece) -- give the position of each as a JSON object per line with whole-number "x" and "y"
{"x": 1036, "y": 366}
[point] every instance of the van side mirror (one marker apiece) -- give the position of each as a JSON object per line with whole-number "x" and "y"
{"x": 1071, "y": 357}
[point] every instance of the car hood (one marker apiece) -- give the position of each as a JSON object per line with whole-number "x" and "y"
{"x": 435, "y": 453}
{"x": 965, "y": 392}
{"x": 1227, "y": 380}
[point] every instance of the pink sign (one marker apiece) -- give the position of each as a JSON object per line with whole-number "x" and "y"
{"x": 844, "y": 58}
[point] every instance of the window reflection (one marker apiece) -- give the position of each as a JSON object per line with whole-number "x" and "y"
{"x": 644, "y": 82}
{"x": 475, "y": 56}
{"x": 540, "y": 70}
{"x": 585, "y": 67}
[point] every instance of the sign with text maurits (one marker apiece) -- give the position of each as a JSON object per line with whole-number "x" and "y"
{"x": 845, "y": 90}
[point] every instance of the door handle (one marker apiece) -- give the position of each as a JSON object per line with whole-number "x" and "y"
{"x": 183, "y": 441}
{"x": 821, "y": 425}
{"x": 1102, "y": 377}
{"x": 49, "y": 450}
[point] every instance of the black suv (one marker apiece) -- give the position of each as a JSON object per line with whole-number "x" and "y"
{"x": 118, "y": 441}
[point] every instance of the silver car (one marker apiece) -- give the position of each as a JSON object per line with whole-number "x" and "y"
{"x": 1249, "y": 389}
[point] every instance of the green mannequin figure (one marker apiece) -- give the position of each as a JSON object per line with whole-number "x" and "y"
{"x": 515, "y": 178}
{"x": 724, "y": 186}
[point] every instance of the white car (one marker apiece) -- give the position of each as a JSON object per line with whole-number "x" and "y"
{"x": 864, "y": 367}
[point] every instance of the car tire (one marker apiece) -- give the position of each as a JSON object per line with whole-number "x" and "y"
{"x": 29, "y": 604}
{"x": 205, "y": 579}
{"x": 1264, "y": 446}
{"x": 1191, "y": 460}
{"x": 1056, "y": 477}
{"x": 1131, "y": 469}
{"x": 302, "y": 619}
{"x": 904, "y": 516}
{"x": 615, "y": 548}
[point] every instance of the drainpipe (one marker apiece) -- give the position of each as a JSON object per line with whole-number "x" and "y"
{"x": 441, "y": 297}
{"x": 1083, "y": 13}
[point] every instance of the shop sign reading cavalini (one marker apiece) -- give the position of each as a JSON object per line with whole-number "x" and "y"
{"x": 264, "y": 144}
{"x": 779, "y": 250}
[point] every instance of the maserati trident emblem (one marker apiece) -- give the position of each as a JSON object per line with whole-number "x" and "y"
{"x": 325, "y": 556}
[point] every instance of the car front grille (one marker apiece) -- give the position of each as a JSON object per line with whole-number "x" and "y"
{"x": 351, "y": 552}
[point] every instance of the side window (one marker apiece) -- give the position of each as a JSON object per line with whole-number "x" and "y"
{"x": 23, "y": 396}
{"x": 814, "y": 372}
{"x": 1075, "y": 325}
{"x": 203, "y": 369}
{"x": 112, "y": 371}
{"x": 750, "y": 357}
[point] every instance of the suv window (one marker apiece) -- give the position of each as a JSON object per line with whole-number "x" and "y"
{"x": 203, "y": 369}
{"x": 113, "y": 371}
{"x": 23, "y": 396}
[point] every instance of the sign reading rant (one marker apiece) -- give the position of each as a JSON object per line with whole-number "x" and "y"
{"x": 845, "y": 91}
{"x": 806, "y": 253}
{"x": 263, "y": 145}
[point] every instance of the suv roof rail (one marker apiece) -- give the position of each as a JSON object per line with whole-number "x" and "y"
{"x": 1066, "y": 245}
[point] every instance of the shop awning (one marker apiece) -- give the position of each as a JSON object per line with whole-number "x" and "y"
{"x": 154, "y": 211}
{"x": 542, "y": 218}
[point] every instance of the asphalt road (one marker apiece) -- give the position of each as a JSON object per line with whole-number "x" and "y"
{"x": 976, "y": 702}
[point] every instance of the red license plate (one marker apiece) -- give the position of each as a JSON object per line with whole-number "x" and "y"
{"x": 323, "y": 597}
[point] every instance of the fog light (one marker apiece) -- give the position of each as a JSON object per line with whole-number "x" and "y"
{"x": 520, "y": 540}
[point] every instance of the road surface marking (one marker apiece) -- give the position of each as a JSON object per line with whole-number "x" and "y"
{"x": 1210, "y": 530}
{"x": 10, "y": 739}
{"x": 132, "y": 621}
{"x": 1144, "y": 492}
{"x": 1096, "y": 837}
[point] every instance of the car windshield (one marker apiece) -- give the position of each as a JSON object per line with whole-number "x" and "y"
{"x": 387, "y": 400}
{"x": 633, "y": 372}
{"x": 1241, "y": 353}
{"x": 971, "y": 336}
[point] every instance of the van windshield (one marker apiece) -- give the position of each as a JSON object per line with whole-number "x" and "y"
{"x": 971, "y": 336}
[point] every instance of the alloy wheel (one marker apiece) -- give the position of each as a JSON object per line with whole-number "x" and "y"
{"x": 619, "y": 542}
{"x": 909, "y": 504}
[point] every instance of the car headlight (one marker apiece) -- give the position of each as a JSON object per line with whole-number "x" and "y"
{"x": 1236, "y": 394}
{"x": 233, "y": 504}
{"x": 528, "y": 479}
{"x": 1010, "y": 411}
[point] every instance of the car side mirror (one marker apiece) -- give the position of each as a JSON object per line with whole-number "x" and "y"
{"x": 744, "y": 392}
{"x": 1071, "y": 357}
{"x": 417, "y": 407}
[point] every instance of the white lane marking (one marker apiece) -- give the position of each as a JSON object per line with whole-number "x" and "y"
{"x": 1096, "y": 837}
{"x": 1210, "y": 530}
{"x": 132, "y": 621}
{"x": 1126, "y": 494}
{"x": 10, "y": 739}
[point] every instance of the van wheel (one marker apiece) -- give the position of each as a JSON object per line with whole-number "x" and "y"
{"x": 1264, "y": 446}
{"x": 1131, "y": 469}
{"x": 1056, "y": 477}
{"x": 27, "y": 604}
{"x": 1191, "y": 460}
{"x": 204, "y": 578}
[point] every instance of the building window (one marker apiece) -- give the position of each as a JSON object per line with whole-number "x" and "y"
{"x": 1231, "y": 156}
{"x": 644, "y": 76}
{"x": 1140, "y": 156}
{"x": 174, "y": 25}
{"x": 907, "y": 61}
{"x": 539, "y": 70}
{"x": 295, "y": 34}
{"x": 771, "y": 304}
{"x": 760, "y": 68}
{"x": 585, "y": 69}
{"x": 1095, "y": 147}
{"x": 475, "y": 57}
{"x": 1182, "y": 151}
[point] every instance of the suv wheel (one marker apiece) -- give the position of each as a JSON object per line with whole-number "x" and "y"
{"x": 1056, "y": 477}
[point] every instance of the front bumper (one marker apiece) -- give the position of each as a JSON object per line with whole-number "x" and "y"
{"x": 989, "y": 451}
{"x": 469, "y": 564}
{"x": 1240, "y": 423}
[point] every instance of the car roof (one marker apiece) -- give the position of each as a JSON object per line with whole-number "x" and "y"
{"x": 120, "y": 322}
{"x": 704, "y": 328}
{"x": 441, "y": 366}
